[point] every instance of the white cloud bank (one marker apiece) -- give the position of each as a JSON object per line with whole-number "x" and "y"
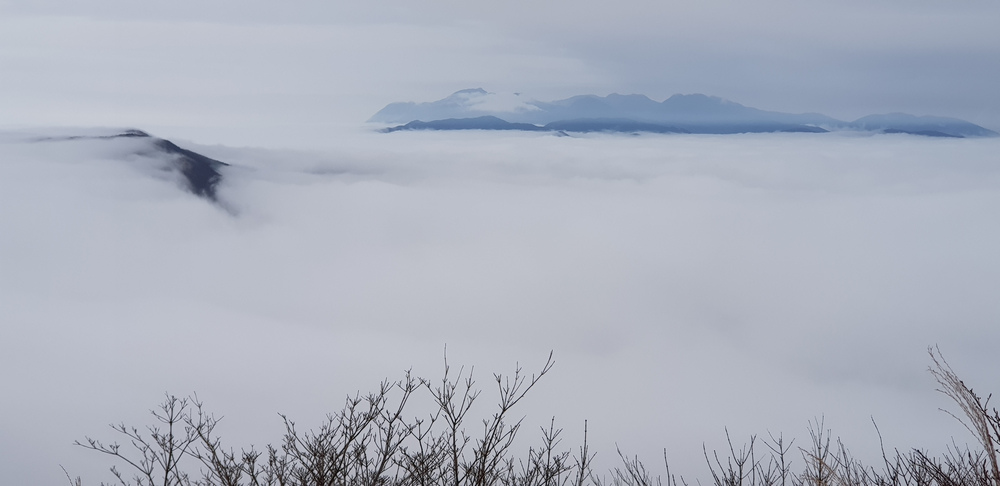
{"x": 686, "y": 284}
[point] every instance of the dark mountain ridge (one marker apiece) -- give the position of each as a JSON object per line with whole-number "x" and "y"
{"x": 201, "y": 174}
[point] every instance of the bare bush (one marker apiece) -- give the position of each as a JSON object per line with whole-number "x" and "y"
{"x": 372, "y": 441}
{"x": 983, "y": 423}
{"x": 369, "y": 442}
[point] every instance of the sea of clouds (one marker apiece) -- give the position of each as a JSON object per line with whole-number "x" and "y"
{"x": 687, "y": 284}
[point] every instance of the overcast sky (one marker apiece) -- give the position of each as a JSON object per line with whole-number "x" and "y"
{"x": 236, "y": 66}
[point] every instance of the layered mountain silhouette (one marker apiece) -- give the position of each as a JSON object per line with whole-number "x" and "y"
{"x": 933, "y": 126}
{"x": 477, "y": 109}
{"x": 487, "y": 122}
{"x": 201, "y": 175}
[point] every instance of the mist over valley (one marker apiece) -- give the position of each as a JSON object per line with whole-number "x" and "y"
{"x": 697, "y": 282}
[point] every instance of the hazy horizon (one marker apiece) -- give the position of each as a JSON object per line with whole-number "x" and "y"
{"x": 212, "y": 72}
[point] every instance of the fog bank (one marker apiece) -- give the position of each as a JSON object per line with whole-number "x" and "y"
{"x": 685, "y": 283}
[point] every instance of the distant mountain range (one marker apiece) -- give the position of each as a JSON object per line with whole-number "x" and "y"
{"x": 477, "y": 109}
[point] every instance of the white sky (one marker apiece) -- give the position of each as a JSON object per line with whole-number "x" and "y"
{"x": 242, "y": 65}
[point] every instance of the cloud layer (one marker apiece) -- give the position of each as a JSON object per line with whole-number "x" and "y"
{"x": 685, "y": 283}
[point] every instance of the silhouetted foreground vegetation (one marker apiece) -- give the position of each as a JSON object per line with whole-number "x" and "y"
{"x": 372, "y": 441}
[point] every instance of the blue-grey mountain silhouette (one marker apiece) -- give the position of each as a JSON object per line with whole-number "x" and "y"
{"x": 584, "y": 125}
{"x": 694, "y": 113}
{"x": 460, "y": 104}
{"x": 478, "y": 123}
{"x": 921, "y": 125}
